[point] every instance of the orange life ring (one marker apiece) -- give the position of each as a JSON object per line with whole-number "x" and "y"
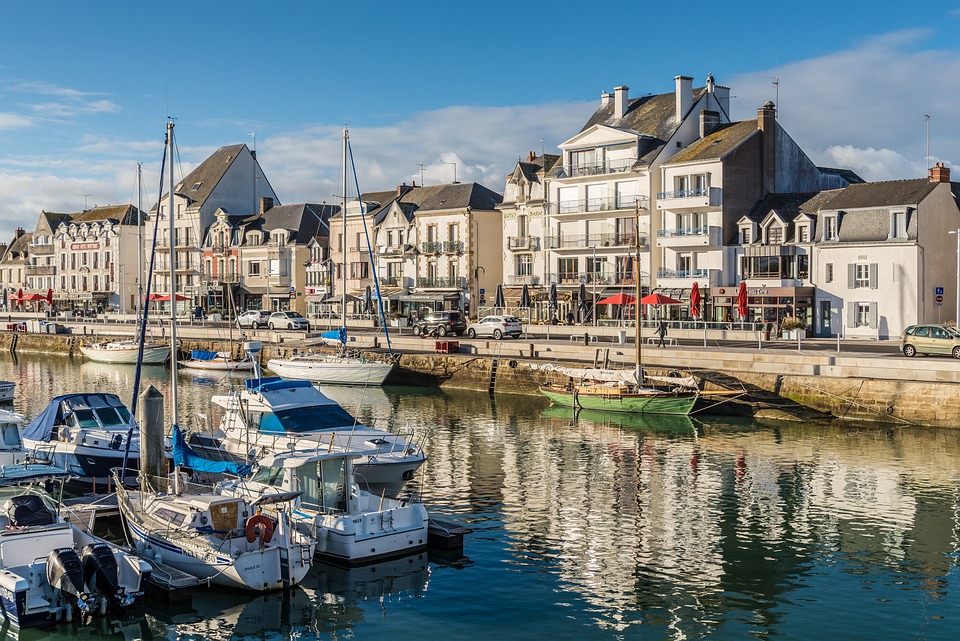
{"x": 261, "y": 525}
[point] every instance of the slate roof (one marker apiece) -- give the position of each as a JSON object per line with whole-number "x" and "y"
{"x": 789, "y": 205}
{"x": 717, "y": 144}
{"x": 543, "y": 163}
{"x": 19, "y": 245}
{"x": 307, "y": 220}
{"x": 434, "y": 198}
{"x": 124, "y": 214}
{"x": 652, "y": 115}
{"x": 848, "y": 175}
{"x": 208, "y": 174}
{"x": 881, "y": 194}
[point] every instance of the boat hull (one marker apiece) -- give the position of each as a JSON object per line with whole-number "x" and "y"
{"x": 334, "y": 371}
{"x": 85, "y": 464}
{"x": 126, "y": 355}
{"x": 7, "y": 389}
{"x": 681, "y": 403}
{"x": 367, "y": 539}
{"x": 218, "y": 365}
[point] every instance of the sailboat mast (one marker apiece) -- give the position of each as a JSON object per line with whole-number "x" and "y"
{"x": 173, "y": 283}
{"x": 343, "y": 247}
{"x": 638, "y": 319}
{"x": 139, "y": 242}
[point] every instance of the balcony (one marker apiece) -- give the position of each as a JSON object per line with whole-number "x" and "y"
{"x": 524, "y": 279}
{"x": 589, "y": 279}
{"x": 219, "y": 248}
{"x": 523, "y": 243}
{"x": 41, "y": 250}
{"x": 452, "y": 247}
{"x": 684, "y": 278}
{"x": 689, "y": 237}
{"x": 391, "y": 281}
{"x": 452, "y": 282}
{"x": 431, "y": 247}
{"x": 396, "y": 250}
{"x": 612, "y": 167}
{"x": 690, "y": 198}
{"x": 589, "y": 241}
{"x": 41, "y": 270}
{"x": 630, "y": 203}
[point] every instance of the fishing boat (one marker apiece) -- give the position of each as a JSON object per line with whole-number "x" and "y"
{"x": 84, "y": 433}
{"x": 349, "y": 525}
{"x": 7, "y": 389}
{"x": 223, "y": 540}
{"x": 50, "y": 570}
{"x": 211, "y": 361}
{"x": 126, "y": 352}
{"x": 624, "y": 391}
{"x": 344, "y": 367}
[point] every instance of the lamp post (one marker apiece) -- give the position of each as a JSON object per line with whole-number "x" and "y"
{"x": 957, "y": 293}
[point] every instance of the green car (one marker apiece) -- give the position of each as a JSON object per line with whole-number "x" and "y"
{"x": 930, "y": 339}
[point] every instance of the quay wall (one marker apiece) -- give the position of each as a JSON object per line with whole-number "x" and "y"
{"x": 889, "y": 390}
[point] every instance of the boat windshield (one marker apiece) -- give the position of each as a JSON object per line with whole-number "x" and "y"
{"x": 269, "y": 476}
{"x": 323, "y": 486}
{"x": 300, "y": 420}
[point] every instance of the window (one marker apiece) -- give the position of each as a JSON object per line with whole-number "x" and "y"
{"x": 522, "y": 229}
{"x": 803, "y": 266}
{"x": 744, "y": 235}
{"x": 862, "y": 275}
{"x": 898, "y": 224}
{"x": 583, "y": 163}
{"x": 775, "y": 235}
{"x": 828, "y": 272}
{"x": 569, "y": 269}
{"x": 525, "y": 265}
{"x": 862, "y": 318}
{"x": 253, "y": 268}
{"x": 830, "y": 228}
{"x": 803, "y": 234}
{"x": 360, "y": 270}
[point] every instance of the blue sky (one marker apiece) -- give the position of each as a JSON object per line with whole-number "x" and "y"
{"x": 85, "y": 88}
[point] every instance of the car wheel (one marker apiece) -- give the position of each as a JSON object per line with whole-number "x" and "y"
{"x": 497, "y": 334}
{"x": 254, "y": 325}
{"x": 909, "y": 350}
{"x": 956, "y": 351}
{"x": 271, "y": 325}
{"x": 442, "y": 330}
{"x": 472, "y": 333}
{"x": 417, "y": 330}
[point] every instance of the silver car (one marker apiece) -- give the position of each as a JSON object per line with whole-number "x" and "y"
{"x": 287, "y": 320}
{"x": 253, "y": 318}
{"x": 496, "y": 327}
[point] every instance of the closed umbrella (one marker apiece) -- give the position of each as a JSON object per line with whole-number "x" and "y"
{"x": 582, "y": 303}
{"x": 367, "y": 301}
{"x": 499, "y": 302}
{"x": 695, "y": 301}
{"x": 742, "y": 309}
{"x": 49, "y": 297}
{"x": 553, "y": 296}
{"x": 525, "y": 297}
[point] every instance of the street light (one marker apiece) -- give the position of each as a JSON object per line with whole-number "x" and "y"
{"x": 957, "y": 296}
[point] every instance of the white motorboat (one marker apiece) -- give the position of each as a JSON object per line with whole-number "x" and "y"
{"x": 331, "y": 369}
{"x": 7, "y": 388}
{"x": 50, "y": 570}
{"x": 348, "y": 524}
{"x": 217, "y": 362}
{"x": 223, "y": 540}
{"x": 126, "y": 352}
{"x": 85, "y": 434}
{"x": 270, "y": 416}
{"x": 12, "y": 451}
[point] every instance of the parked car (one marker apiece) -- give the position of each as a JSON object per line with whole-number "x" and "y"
{"x": 497, "y": 327}
{"x": 447, "y": 322}
{"x": 930, "y": 339}
{"x": 287, "y": 320}
{"x": 253, "y": 318}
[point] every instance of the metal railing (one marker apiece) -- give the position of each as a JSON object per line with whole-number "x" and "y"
{"x": 431, "y": 247}
{"x": 683, "y": 273}
{"x": 612, "y": 167}
{"x": 684, "y": 193}
{"x": 522, "y": 242}
{"x": 523, "y": 279}
{"x": 448, "y": 282}
{"x": 452, "y": 246}
{"x": 610, "y": 203}
{"x": 683, "y": 231}
{"x": 572, "y": 241}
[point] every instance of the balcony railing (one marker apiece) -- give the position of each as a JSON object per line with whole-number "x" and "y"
{"x": 612, "y": 167}
{"x": 523, "y": 242}
{"x": 452, "y": 247}
{"x": 390, "y": 281}
{"x": 431, "y": 247}
{"x": 683, "y": 273}
{"x": 41, "y": 270}
{"x": 599, "y": 204}
{"x": 684, "y": 193}
{"x": 219, "y": 248}
{"x": 396, "y": 250}
{"x": 684, "y": 231}
{"x": 41, "y": 250}
{"x": 573, "y": 241}
{"x": 589, "y": 279}
{"x": 448, "y": 282}
{"x": 523, "y": 279}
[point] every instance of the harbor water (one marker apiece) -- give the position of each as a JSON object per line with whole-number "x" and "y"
{"x": 603, "y": 527}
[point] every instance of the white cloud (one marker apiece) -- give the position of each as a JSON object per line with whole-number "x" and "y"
{"x": 864, "y": 106}
{"x": 14, "y": 121}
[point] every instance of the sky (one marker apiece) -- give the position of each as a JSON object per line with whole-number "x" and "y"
{"x": 434, "y": 91}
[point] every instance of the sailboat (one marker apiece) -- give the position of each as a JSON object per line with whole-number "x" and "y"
{"x": 341, "y": 368}
{"x": 127, "y": 352}
{"x": 224, "y": 540}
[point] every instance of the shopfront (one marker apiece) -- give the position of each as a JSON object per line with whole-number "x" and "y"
{"x": 417, "y": 305}
{"x": 765, "y": 304}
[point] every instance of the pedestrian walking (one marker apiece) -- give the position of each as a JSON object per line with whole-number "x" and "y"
{"x": 661, "y": 332}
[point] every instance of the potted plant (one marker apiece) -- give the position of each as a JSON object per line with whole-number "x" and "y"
{"x": 792, "y": 327}
{"x": 397, "y": 319}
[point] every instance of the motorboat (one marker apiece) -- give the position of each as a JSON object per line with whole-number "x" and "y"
{"x": 12, "y": 451}
{"x": 50, "y": 570}
{"x": 126, "y": 352}
{"x": 211, "y": 361}
{"x": 7, "y": 388}
{"x": 332, "y": 369}
{"x": 348, "y": 524}
{"x": 87, "y": 434}
{"x": 270, "y": 416}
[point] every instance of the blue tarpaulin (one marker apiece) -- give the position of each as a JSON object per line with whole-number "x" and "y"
{"x": 204, "y": 355}
{"x": 183, "y": 455}
{"x": 56, "y": 412}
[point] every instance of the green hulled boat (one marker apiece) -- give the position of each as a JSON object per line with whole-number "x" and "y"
{"x": 620, "y": 397}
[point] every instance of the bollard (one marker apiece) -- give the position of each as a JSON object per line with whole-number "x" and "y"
{"x": 152, "y": 461}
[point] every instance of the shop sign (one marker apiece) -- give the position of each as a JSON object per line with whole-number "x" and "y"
{"x": 84, "y": 246}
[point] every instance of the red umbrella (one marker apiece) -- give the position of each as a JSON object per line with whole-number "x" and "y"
{"x": 165, "y": 297}
{"x": 742, "y": 309}
{"x": 34, "y": 297}
{"x": 49, "y": 297}
{"x": 695, "y": 301}
{"x": 659, "y": 299}
{"x": 618, "y": 299}
{"x": 20, "y": 293}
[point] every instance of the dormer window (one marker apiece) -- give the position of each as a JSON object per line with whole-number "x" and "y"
{"x": 803, "y": 234}
{"x": 775, "y": 235}
{"x": 745, "y": 236}
{"x": 898, "y": 224}
{"x": 830, "y": 228}
{"x": 196, "y": 186}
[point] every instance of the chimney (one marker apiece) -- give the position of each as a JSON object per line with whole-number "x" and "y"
{"x": 767, "y": 123}
{"x": 253, "y": 153}
{"x": 403, "y": 188}
{"x": 709, "y": 121}
{"x": 18, "y": 233}
{"x": 684, "y": 95}
{"x": 620, "y": 101}
{"x": 531, "y": 157}
{"x": 939, "y": 173}
{"x": 606, "y": 98}
{"x": 266, "y": 203}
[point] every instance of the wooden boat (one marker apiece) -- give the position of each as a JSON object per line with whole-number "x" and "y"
{"x": 126, "y": 352}
{"x": 622, "y": 397}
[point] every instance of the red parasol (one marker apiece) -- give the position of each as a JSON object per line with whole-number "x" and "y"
{"x": 742, "y": 308}
{"x": 695, "y": 301}
{"x": 34, "y": 297}
{"x": 618, "y": 299}
{"x": 20, "y": 294}
{"x": 659, "y": 299}
{"x": 49, "y": 296}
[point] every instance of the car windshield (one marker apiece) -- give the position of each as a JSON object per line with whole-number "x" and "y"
{"x": 294, "y": 315}
{"x": 953, "y": 331}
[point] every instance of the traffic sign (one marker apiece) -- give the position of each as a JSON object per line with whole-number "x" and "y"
{"x": 939, "y": 300}
{"x": 938, "y": 290}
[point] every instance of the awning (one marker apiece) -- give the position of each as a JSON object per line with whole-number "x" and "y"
{"x": 256, "y": 291}
{"x": 512, "y": 292}
{"x": 388, "y": 293}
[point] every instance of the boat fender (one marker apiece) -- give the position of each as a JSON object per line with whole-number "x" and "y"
{"x": 260, "y": 526}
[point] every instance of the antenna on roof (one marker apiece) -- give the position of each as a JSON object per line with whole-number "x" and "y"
{"x": 540, "y": 138}
{"x": 86, "y": 195}
{"x": 253, "y": 135}
{"x": 420, "y": 164}
{"x": 927, "y": 118}
{"x": 776, "y": 93}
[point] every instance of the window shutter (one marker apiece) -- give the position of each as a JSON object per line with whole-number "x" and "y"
{"x": 874, "y": 272}
{"x": 851, "y": 315}
{"x": 851, "y": 275}
{"x": 873, "y": 315}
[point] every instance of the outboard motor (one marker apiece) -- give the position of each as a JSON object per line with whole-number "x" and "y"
{"x": 65, "y": 574}
{"x": 101, "y": 575}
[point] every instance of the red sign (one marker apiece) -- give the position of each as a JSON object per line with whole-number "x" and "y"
{"x": 939, "y": 300}
{"x": 82, "y": 246}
